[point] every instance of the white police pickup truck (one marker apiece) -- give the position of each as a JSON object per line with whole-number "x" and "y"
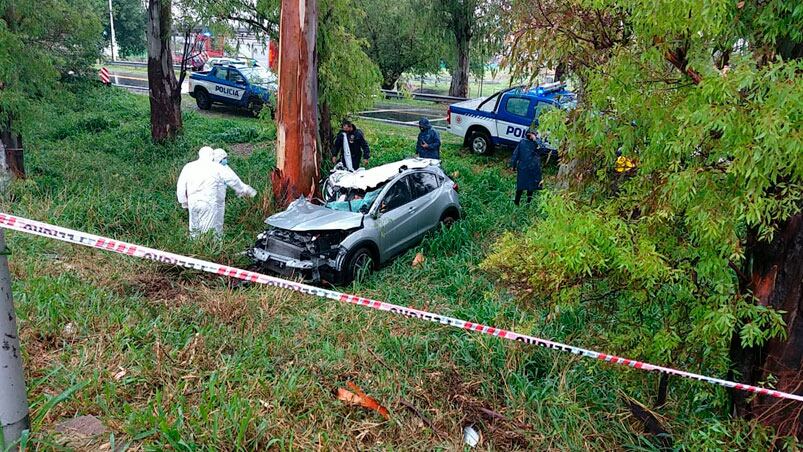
{"x": 236, "y": 85}
{"x": 503, "y": 118}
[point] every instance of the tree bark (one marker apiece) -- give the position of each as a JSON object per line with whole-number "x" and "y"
{"x": 776, "y": 280}
{"x": 165, "y": 92}
{"x": 325, "y": 128}
{"x": 13, "y": 163}
{"x": 389, "y": 80}
{"x": 297, "y": 161}
{"x": 459, "y": 86}
{"x": 560, "y": 71}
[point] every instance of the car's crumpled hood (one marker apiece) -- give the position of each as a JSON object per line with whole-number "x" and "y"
{"x": 301, "y": 215}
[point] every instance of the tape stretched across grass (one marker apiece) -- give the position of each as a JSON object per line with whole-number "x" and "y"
{"x": 20, "y": 224}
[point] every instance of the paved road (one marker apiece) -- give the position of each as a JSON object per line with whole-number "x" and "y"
{"x": 385, "y": 112}
{"x": 136, "y": 81}
{"x": 406, "y": 115}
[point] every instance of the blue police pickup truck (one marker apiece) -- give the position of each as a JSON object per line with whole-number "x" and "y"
{"x": 235, "y": 85}
{"x": 503, "y": 118}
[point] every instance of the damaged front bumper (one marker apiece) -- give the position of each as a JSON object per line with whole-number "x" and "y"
{"x": 299, "y": 255}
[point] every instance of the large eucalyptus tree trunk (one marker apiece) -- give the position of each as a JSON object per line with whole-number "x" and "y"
{"x": 297, "y": 158}
{"x": 165, "y": 92}
{"x": 775, "y": 272}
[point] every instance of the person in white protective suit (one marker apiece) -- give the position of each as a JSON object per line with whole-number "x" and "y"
{"x": 201, "y": 189}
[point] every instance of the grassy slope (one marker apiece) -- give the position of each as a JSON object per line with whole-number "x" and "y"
{"x": 171, "y": 358}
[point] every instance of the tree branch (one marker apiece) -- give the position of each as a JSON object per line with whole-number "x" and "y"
{"x": 745, "y": 280}
{"x": 678, "y": 59}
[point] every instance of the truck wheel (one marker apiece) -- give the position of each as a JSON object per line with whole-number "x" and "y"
{"x": 255, "y": 106}
{"x": 358, "y": 266}
{"x": 202, "y": 99}
{"x": 481, "y": 143}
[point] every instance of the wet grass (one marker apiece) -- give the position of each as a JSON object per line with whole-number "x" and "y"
{"x": 173, "y": 359}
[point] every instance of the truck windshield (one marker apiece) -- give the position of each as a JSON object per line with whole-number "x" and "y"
{"x": 259, "y": 75}
{"x": 567, "y": 102}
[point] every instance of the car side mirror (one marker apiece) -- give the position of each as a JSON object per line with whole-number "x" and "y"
{"x": 364, "y": 209}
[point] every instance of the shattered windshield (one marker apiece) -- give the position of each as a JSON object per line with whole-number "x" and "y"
{"x": 349, "y": 199}
{"x": 353, "y": 200}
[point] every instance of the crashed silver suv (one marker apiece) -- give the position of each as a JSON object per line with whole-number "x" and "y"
{"x": 366, "y": 218}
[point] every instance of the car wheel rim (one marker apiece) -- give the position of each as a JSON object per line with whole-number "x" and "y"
{"x": 479, "y": 145}
{"x": 362, "y": 267}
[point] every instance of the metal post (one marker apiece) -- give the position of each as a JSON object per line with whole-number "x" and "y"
{"x": 111, "y": 25}
{"x": 13, "y": 400}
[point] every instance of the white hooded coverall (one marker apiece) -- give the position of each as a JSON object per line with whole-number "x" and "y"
{"x": 201, "y": 189}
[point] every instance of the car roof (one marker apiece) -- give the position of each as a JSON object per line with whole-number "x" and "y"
{"x": 363, "y": 179}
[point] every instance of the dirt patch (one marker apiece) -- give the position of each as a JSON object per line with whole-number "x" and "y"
{"x": 503, "y": 428}
{"x": 244, "y": 149}
{"x": 157, "y": 287}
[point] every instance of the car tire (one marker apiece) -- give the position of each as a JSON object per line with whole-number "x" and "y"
{"x": 359, "y": 265}
{"x": 255, "y": 106}
{"x": 448, "y": 219}
{"x": 480, "y": 143}
{"x": 202, "y": 99}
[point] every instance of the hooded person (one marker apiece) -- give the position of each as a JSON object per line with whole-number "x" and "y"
{"x": 526, "y": 160}
{"x": 428, "y": 145}
{"x": 201, "y": 188}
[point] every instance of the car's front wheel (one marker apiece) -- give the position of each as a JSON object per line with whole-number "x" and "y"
{"x": 359, "y": 266}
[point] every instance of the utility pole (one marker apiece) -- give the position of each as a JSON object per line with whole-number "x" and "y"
{"x": 13, "y": 400}
{"x": 111, "y": 25}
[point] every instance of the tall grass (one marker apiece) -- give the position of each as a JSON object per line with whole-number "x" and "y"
{"x": 171, "y": 359}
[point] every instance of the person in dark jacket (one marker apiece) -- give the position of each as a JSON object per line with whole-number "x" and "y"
{"x": 350, "y": 147}
{"x": 428, "y": 145}
{"x": 526, "y": 161}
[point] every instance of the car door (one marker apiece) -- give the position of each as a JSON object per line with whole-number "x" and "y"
{"x": 217, "y": 78}
{"x": 424, "y": 189}
{"x": 225, "y": 90}
{"x": 238, "y": 82}
{"x": 396, "y": 222}
{"x": 514, "y": 118}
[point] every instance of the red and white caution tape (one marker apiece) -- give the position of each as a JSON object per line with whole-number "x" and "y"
{"x": 68, "y": 235}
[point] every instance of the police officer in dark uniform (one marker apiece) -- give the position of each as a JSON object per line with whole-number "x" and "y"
{"x": 526, "y": 161}
{"x": 350, "y": 147}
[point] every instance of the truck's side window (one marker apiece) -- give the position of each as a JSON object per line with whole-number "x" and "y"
{"x": 235, "y": 77}
{"x": 541, "y": 108}
{"x": 222, "y": 73}
{"x": 517, "y": 106}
